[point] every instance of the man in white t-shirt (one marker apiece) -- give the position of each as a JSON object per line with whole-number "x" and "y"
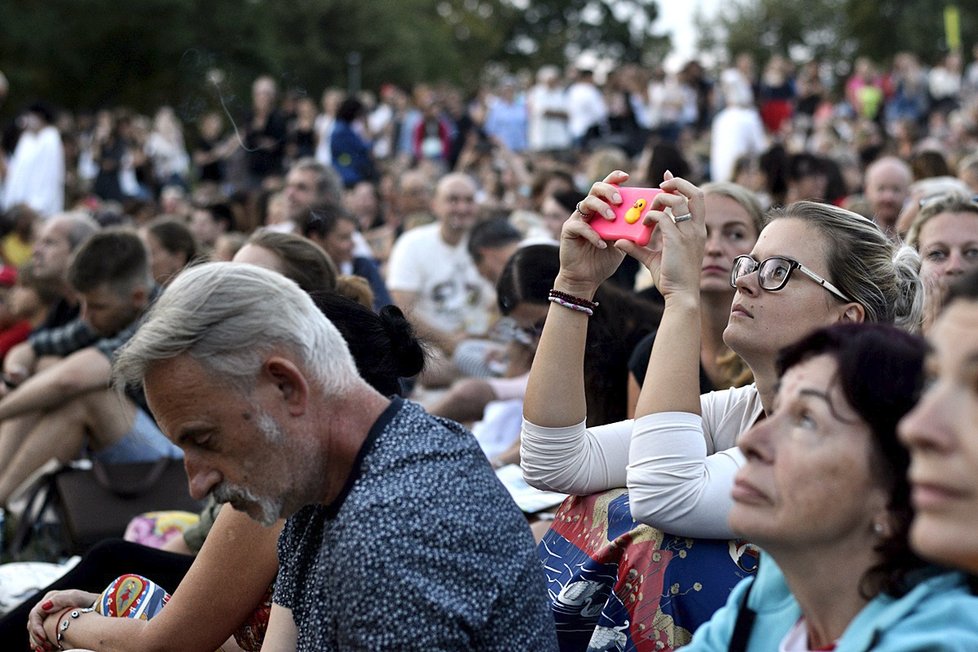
{"x": 432, "y": 277}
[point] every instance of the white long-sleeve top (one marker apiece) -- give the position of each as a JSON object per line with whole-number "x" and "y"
{"x": 678, "y": 467}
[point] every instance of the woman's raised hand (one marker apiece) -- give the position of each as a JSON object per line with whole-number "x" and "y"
{"x": 676, "y": 267}
{"x": 585, "y": 259}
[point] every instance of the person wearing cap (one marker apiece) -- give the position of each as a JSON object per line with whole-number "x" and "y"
{"x": 36, "y": 171}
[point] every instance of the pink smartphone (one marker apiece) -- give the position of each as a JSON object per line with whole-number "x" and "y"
{"x": 627, "y": 225}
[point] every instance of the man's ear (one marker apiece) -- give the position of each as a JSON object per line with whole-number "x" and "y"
{"x": 854, "y": 313}
{"x": 289, "y": 382}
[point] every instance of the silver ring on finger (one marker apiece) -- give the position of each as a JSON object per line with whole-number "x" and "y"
{"x": 682, "y": 218}
{"x": 578, "y": 209}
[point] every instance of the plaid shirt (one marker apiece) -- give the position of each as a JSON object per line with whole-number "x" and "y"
{"x": 63, "y": 340}
{"x": 77, "y": 335}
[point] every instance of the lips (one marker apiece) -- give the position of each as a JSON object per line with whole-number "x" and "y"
{"x": 744, "y": 492}
{"x": 740, "y": 311}
{"x": 933, "y": 496}
{"x": 716, "y": 269}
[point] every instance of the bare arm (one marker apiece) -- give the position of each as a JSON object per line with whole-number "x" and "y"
{"x": 633, "y": 391}
{"x": 237, "y": 565}
{"x": 673, "y": 483}
{"x": 19, "y": 362}
{"x": 557, "y": 452}
{"x": 282, "y": 634}
{"x": 80, "y": 372}
{"x": 672, "y": 379}
{"x": 555, "y": 393}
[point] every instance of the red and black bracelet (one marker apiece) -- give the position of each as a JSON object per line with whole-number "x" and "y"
{"x": 566, "y": 300}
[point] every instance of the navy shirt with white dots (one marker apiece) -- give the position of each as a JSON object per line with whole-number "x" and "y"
{"x": 423, "y": 550}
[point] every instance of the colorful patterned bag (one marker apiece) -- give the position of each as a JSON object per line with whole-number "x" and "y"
{"x": 616, "y": 584}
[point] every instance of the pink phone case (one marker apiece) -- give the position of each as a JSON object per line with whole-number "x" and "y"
{"x": 635, "y": 203}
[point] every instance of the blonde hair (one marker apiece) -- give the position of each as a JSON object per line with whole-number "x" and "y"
{"x": 864, "y": 264}
{"x": 746, "y": 198}
{"x": 949, "y": 203}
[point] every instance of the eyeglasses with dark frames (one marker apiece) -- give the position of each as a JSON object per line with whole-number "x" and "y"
{"x": 773, "y": 273}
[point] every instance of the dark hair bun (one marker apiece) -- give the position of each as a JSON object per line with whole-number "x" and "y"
{"x": 407, "y": 351}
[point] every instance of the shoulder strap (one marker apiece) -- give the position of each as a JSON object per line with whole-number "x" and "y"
{"x": 744, "y": 623}
{"x": 149, "y": 477}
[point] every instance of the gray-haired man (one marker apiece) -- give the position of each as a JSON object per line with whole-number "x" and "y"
{"x": 398, "y": 534}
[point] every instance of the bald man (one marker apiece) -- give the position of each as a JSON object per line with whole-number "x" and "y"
{"x": 431, "y": 275}
{"x": 887, "y": 186}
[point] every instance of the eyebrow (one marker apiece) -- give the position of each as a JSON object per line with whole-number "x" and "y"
{"x": 817, "y": 394}
{"x": 944, "y": 243}
{"x": 828, "y": 401}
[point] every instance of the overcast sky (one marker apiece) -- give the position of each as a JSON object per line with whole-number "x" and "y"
{"x": 676, "y": 17}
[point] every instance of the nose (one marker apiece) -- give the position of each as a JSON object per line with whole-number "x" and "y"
{"x": 713, "y": 242}
{"x": 202, "y": 479}
{"x": 924, "y": 427}
{"x": 748, "y": 284}
{"x": 757, "y": 442}
{"x": 955, "y": 264}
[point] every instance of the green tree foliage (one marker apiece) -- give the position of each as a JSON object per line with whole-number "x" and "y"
{"x": 835, "y": 30}
{"x": 885, "y": 27}
{"x": 92, "y": 53}
{"x": 764, "y": 27}
{"x": 548, "y": 30}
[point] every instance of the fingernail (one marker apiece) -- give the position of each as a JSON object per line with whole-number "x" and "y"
{"x": 616, "y": 197}
{"x": 610, "y": 213}
{"x": 47, "y": 605}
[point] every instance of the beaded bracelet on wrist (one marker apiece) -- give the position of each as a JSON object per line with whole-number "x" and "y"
{"x": 75, "y": 613}
{"x": 565, "y": 299}
{"x": 572, "y": 306}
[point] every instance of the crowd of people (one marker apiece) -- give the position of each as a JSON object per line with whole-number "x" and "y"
{"x": 347, "y": 318}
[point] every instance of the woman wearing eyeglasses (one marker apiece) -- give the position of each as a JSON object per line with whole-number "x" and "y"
{"x": 813, "y": 265}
